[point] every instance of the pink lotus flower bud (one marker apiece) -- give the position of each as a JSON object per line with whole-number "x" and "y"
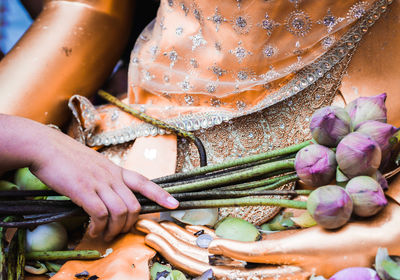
{"x": 380, "y": 132}
{"x": 357, "y": 154}
{"x": 367, "y": 108}
{"x": 330, "y": 206}
{"x": 367, "y": 195}
{"x": 315, "y": 165}
{"x": 356, "y": 273}
{"x": 381, "y": 180}
{"x": 329, "y": 125}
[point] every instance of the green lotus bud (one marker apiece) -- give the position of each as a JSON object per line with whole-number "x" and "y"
{"x": 330, "y": 206}
{"x": 329, "y": 125}
{"x": 367, "y": 108}
{"x": 315, "y": 165}
{"x": 357, "y": 154}
{"x": 27, "y": 181}
{"x": 367, "y": 195}
{"x": 237, "y": 229}
{"x": 158, "y": 270}
{"x": 48, "y": 237}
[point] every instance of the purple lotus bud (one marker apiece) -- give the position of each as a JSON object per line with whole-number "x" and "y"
{"x": 357, "y": 154}
{"x": 329, "y": 125}
{"x": 367, "y": 195}
{"x": 315, "y": 165}
{"x": 367, "y": 108}
{"x": 330, "y": 206}
{"x": 380, "y": 132}
{"x": 381, "y": 180}
{"x": 356, "y": 273}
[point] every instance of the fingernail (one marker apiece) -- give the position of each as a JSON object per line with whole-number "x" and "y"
{"x": 172, "y": 202}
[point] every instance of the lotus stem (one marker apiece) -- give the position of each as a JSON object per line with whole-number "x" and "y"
{"x": 63, "y": 255}
{"x": 234, "y": 202}
{"x": 20, "y": 254}
{"x": 281, "y": 182}
{"x": 232, "y": 178}
{"x": 232, "y": 163}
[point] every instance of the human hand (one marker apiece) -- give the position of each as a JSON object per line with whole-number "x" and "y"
{"x": 101, "y": 188}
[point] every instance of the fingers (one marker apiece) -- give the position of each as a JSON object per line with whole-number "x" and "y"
{"x": 131, "y": 204}
{"x": 97, "y": 211}
{"x": 141, "y": 184}
{"x": 117, "y": 211}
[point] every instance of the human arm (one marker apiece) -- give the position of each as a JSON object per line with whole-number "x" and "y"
{"x": 101, "y": 188}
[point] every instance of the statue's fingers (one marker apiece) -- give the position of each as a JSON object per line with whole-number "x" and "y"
{"x": 149, "y": 226}
{"x": 179, "y": 232}
{"x": 265, "y": 251}
{"x": 195, "y": 267}
{"x": 194, "y": 229}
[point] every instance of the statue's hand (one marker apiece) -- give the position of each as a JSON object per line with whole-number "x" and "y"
{"x": 178, "y": 247}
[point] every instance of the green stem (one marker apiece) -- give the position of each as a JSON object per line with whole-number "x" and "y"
{"x": 63, "y": 255}
{"x": 2, "y": 250}
{"x": 212, "y": 194}
{"x": 11, "y": 259}
{"x": 20, "y": 254}
{"x": 234, "y": 202}
{"x": 232, "y": 163}
{"x": 281, "y": 182}
{"x": 232, "y": 178}
{"x": 254, "y": 184}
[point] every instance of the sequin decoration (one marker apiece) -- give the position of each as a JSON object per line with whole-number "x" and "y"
{"x": 241, "y": 24}
{"x": 194, "y": 63}
{"x": 170, "y": 3}
{"x": 240, "y": 105}
{"x": 147, "y": 75}
{"x": 185, "y": 84}
{"x": 184, "y": 8}
{"x": 173, "y": 57}
{"x": 298, "y": 23}
{"x": 217, "y": 46}
{"x": 197, "y": 40}
{"x": 218, "y": 71}
{"x": 240, "y": 52}
{"x": 330, "y": 21}
{"x": 269, "y": 51}
{"x": 268, "y": 24}
{"x": 217, "y": 18}
{"x": 357, "y": 10}
{"x": 211, "y": 88}
{"x": 179, "y": 31}
{"x": 215, "y": 102}
{"x": 328, "y": 42}
{"x": 189, "y": 99}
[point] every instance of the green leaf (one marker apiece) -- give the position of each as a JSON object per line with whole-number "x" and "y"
{"x": 392, "y": 268}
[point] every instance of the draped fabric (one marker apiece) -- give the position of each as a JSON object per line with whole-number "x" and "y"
{"x": 200, "y": 63}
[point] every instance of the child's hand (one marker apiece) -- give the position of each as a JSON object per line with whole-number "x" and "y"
{"x": 101, "y": 188}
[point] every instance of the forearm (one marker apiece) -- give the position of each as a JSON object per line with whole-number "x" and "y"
{"x": 19, "y": 141}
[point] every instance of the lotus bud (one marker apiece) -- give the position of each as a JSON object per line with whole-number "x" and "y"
{"x": 380, "y": 132}
{"x": 329, "y": 125}
{"x": 357, "y": 154}
{"x": 315, "y": 165}
{"x": 367, "y": 195}
{"x": 381, "y": 180}
{"x": 330, "y": 206}
{"x": 356, "y": 273}
{"x": 367, "y": 108}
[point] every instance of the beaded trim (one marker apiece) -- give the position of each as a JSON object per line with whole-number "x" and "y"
{"x": 303, "y": 79}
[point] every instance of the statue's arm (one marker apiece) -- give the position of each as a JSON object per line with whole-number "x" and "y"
{"x": 71, "y": 48}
